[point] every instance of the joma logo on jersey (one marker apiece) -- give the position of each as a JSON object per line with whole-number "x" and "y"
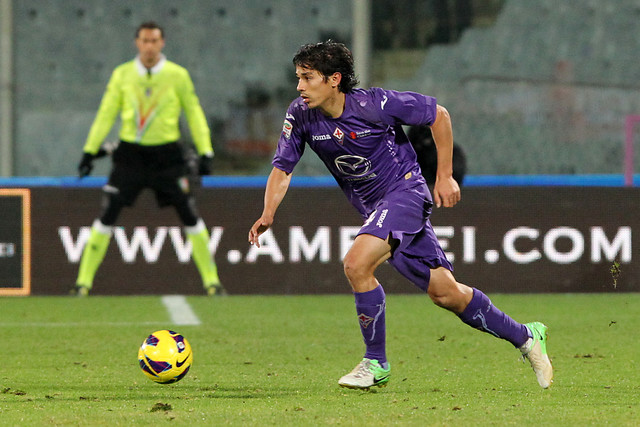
{"x": 383, "y": 215}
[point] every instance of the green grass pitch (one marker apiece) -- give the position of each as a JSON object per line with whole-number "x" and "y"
{"x": 275, "y": 360}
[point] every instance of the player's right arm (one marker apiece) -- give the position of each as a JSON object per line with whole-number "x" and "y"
{"x": 277, "y": 186}
{"x": 106, "y": 115}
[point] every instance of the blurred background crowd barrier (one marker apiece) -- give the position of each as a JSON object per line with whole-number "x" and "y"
{"x": 533, "y": 87}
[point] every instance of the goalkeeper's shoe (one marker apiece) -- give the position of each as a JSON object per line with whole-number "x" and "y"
{"x": 535, "y": 350}
{"x": 216, "y": 290}
{"x": 79, "y": 291}
{"x": 367, "y": 374}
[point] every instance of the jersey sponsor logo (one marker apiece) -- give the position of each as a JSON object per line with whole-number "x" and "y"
{"x": 353, "y": 165}
{"x": 320, "y": 137}
{"x": 289, "y": 116}
{"x": 287, "y": 127}
{"x": 364, "y": 320}
{"x": 356, "y": 135}
{"x": 339, "y": 135}
{"x": 383, "y": 102}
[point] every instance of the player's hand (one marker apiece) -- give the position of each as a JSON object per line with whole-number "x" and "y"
{"x": 86, "y": 165}
{"x": 204, "y": 166}
{"x": 259, "y": 227}
{"x": 446, "y": 192}
{"x": 101, "y": 153}
{"x": 106, "y": 149}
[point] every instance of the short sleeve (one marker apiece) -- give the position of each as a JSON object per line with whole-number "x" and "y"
{"x": 405, "y": 108}
{"x": 291, "y": 143}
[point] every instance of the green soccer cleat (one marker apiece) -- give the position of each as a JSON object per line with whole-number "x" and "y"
{"x": 535, "y": 349}
{"x": 367, "y": 374}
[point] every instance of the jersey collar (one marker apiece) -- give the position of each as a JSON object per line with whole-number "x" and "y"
{"x": 142, "y": 70}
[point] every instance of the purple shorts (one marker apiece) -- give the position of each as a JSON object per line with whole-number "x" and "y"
{"x": 403, "y": 216}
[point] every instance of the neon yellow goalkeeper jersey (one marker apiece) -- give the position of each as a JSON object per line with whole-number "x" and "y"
{"x": 150, "y": 103}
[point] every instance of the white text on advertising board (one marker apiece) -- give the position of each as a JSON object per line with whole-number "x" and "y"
{"x": 519, "y": 245}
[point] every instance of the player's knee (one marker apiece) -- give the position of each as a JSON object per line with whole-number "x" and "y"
{"x": 112, "y": 204}
{"x": 354, "y": 268}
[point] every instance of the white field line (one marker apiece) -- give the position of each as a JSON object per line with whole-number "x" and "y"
{"x": 180, "y": 310}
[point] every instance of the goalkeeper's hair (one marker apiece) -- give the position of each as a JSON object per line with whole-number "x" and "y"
{"x": 327, "y": 58}
{"x": 149, "y": 25}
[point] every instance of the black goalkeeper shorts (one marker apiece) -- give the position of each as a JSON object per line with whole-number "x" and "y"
{"x": 160, "y": 168}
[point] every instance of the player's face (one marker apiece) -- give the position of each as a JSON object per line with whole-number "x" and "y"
{"x": 315, "y": 90}
{"x": 150, "y": 44}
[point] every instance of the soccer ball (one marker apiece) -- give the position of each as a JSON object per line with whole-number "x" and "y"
{"x": 165, "y": 356}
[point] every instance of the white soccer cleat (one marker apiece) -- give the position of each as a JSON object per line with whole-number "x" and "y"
{"x": 367, "y": 374}
{"x": 535, "y": 350}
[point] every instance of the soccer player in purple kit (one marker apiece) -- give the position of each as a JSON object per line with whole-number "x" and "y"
{"x": 358, "y": 135}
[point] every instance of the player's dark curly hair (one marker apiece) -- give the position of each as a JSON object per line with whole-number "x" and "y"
{"x": 327, "y": 58}
{"x": 149, "y": 25}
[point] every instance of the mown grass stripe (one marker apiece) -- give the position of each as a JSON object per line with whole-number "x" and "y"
{"x": 74, "y": 324}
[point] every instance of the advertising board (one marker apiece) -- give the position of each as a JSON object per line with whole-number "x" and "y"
{"x": 15, "y": 241}
{"x": 500, "y": 239}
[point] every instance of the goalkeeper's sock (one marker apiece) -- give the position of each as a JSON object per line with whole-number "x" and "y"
{"x": 483, "y": 315}
{"x": 93, "y": 253}
{"x": 199, "y": 238}
{"x": 370, "y": 308}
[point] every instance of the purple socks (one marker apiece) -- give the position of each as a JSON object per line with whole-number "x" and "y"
{"x": 483, "y": 315}
{"x": 370, "y": 308}
{"x": 480, "y": 314}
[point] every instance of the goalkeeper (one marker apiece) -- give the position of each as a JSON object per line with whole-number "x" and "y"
{"x": 149, "y": 92}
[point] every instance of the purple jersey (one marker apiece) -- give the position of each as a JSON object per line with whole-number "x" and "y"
{"x": 365, "y": 149}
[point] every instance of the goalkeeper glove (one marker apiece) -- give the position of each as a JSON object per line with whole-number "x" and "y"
{"x": 86, "y": 165}
{"x": 204, "y": 167}
{"x": 106, "y": 149}
{"x": 101, "y": 153}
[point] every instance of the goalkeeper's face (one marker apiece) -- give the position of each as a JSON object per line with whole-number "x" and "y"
{"x": 150, "y": 44}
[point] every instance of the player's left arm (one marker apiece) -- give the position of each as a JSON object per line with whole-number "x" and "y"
{"x": 195, "y": 116}
{"x": 446, "y": 190}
